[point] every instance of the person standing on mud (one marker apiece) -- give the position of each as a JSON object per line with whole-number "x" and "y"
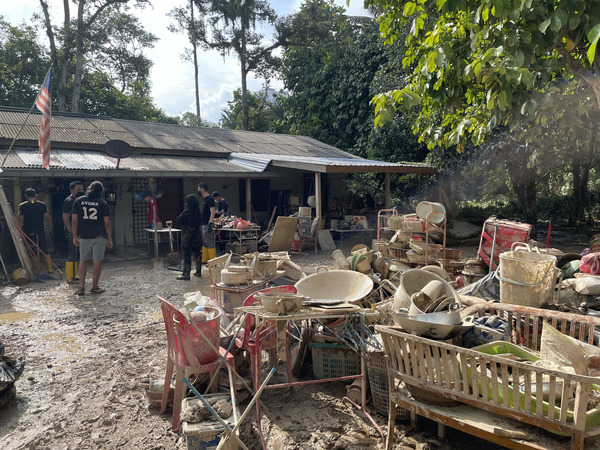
{"x": 209, "y": 251}
{"x": 190, "y": 221}
{"x": 153, "y": 218}
{"x": 72, "y": 264}
{"x": 32, "y": 214}
{"x": 92, "y": 234}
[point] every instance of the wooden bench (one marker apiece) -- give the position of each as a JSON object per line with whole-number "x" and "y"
{"x": 498, "y": 393}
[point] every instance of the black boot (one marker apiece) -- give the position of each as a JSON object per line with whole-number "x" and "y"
{"x": 186, "y": 272}
{"x": 198, "y": 272}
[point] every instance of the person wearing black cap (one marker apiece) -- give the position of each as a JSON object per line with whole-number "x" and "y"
{"x": 72, "y": 264}
{"x": 92, "y": 233}
{"x": 221, "y": 206}
{"x": 32, "y": 214}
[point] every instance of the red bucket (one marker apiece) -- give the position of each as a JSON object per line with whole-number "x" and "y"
{"x": 210, "y": 329}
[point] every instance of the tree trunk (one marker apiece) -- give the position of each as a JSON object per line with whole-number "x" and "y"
{"x": 244, "y": 64}
{"x": 523, "y": 181}
{"x": 60, "y": 61}
{"x": 195, "y": 53}
{"x": 581, "y": 166}
{"x": 79, "y": 54}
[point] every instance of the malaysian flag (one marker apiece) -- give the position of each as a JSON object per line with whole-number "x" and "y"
{"x": 44, "y": 104}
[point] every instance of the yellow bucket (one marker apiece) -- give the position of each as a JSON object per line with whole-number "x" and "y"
{"x": 20, "y": 276}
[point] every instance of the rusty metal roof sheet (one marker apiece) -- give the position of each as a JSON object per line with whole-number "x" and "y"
{"x": 91, "y": 160}
{"x": 327, "y": 165}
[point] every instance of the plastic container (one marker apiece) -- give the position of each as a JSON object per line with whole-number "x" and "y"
{"x": 304, "y": 211}
{"x": 527, "y": 278}
{"x": 378, "y": 382}
{"x": 334, "y": 360}
{"x": 431, "y": 212}
{"x": 210, "y": 329}
{"x": 206, "y": 435}
{"x": 296, "y": 245}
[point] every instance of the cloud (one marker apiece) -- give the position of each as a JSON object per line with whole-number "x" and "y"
{"x": 172, "y": 79}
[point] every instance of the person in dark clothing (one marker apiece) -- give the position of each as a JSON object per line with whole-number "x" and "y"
{"x": 191, "y": 239}
{"x": 32, "y": 214}
{"x": 71, "y": 266}
{"x": 221, "y": 206}
{"x": 92, "y": 233}
{"x": 209, "y": 251}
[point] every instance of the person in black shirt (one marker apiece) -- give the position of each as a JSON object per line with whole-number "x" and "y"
{"x": 209, "y": 251}
{"x": 221, "y": 206}
{"x": 91, "y": 233}
{"x": 32, "y": 214}
{"x": 191, "y": 239}
{"x": 71, "y": 265}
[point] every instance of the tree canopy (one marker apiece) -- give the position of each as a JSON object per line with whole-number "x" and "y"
{"x": 480, "y": 64}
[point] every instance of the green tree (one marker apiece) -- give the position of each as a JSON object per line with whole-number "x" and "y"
{"x": 478, "y": 66}
{"x": 264, "y": 112}
{"x": 328, "y": 65}
{"x": 70, "y": 43}
{"x": 22, "y": 65}
{"x": 233, "y": 28}
{"x": 195, "y": 29}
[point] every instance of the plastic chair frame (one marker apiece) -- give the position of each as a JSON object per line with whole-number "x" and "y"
{"x": 179, "y": 333}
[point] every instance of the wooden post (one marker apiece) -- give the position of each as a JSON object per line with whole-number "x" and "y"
{"x": 388, "y": 196}
{"x": 318, "y": 195}
{"x": 14, "y": 232}
{"x": 249, "y": 199}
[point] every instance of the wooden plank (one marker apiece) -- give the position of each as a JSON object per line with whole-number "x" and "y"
{"x": 480, "y": 423}
{"x": 325, "y": 240}
{"x": 283, "y": 234}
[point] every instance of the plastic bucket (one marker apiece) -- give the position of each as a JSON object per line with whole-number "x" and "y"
{"x": 304, "y": 211}
{"x": 527, "y": 278}
{"x": 209, "y": 328}
{"x": 431, "y": 212}
{"x": 296, "y": 245}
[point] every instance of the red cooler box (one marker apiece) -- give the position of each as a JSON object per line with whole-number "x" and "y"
{"x": 506, "y": 233}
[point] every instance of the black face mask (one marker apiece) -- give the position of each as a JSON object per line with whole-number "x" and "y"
{"x": 79, "y": 194}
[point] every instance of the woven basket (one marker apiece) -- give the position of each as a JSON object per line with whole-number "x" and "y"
{"x": 378, "y": 382}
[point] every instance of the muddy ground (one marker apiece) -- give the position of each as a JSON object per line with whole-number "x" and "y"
{"x": 85, "y": 355}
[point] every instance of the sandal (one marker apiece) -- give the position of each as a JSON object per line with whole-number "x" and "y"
{"x": 80, "y": 291}
{"x": 97, "y": 290}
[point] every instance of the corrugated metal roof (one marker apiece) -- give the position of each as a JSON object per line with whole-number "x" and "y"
{"x": 325, "y": 165}
{"x": 159, "y": 142}
{"x": 90, "y": 160}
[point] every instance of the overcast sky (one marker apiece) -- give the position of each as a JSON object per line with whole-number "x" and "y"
{"x": 173, "y": 79}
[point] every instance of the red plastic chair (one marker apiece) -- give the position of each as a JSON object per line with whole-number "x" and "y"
{"x": 267, "y": 335}
{"x": 182, "y": 357}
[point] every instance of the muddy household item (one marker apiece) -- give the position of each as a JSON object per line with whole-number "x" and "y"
{"x": 20, "y": 276}
{"x": 304, "y": 211}
{"x": 435, "y": 326}
{"x": 340, "y": 259}
{"x": 281, "y": 302}
{"x": 234, "y": 276}
{"x": 526, "y": 277}
{"x": 432, "y": 212}
{"x": 345, "y": 285}
{"x": 263, "y": 267}
{"x": 498, "y": 236}
{"x": 412, "y": 281}
{"x": 334, "y": 224}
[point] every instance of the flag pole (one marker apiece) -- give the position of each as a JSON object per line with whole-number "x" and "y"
{"x": 22, "y": 126}
{"x": 17, "y": 135}
{"x": 6, "y": 208}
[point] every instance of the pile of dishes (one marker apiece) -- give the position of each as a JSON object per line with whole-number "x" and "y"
{"x": 426, "y": 304}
